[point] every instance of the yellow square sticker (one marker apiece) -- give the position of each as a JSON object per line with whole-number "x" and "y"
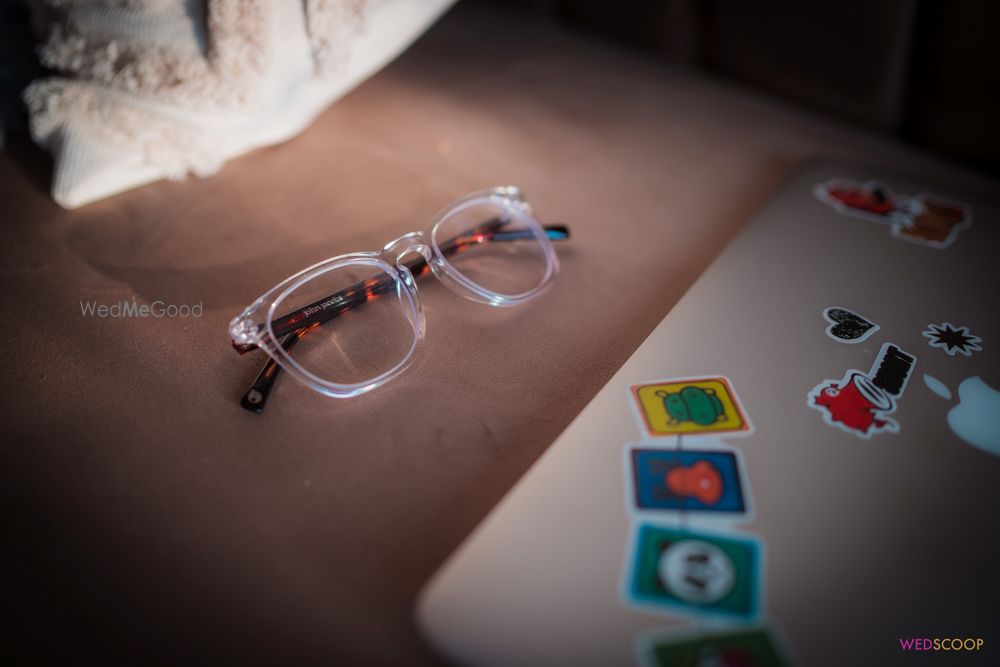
{"x": 689, "y": 407}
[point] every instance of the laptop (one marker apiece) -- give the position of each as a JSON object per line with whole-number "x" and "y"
{"x": 800, "y": 465}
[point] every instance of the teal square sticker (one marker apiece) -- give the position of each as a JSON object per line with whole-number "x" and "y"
{"x": 695, "y": 572}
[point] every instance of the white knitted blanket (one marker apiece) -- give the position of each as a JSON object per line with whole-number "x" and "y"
{"x": 152, "y": 89}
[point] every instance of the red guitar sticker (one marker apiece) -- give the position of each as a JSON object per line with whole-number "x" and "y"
{"x": 861, "y": 403}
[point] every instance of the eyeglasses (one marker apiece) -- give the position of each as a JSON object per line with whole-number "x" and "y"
{"x": 487, "y": 246}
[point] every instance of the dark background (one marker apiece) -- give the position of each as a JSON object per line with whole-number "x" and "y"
{"x": 923, "y": 71}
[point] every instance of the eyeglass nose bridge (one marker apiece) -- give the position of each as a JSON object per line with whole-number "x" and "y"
{"x": 404, "y": 245}
{"x": 398, "y": 249}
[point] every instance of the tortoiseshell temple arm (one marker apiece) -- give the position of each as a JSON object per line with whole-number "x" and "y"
{"x": 289, "y": 329}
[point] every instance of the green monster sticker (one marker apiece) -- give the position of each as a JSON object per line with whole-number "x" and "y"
{"x": 689, "y": 406}
{"x": 693, "y": 404}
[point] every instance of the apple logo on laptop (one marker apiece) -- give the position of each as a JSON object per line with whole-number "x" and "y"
{"x": 976, "y": 418}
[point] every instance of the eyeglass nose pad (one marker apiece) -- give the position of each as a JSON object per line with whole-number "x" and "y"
{"x": 397, "y": 251}
{"x": 409, "y": 247}
{"x": 421, "y": 251}
{"x": 405, "y": 244}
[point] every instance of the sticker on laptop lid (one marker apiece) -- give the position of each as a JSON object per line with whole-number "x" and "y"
{"x": 846, "y": 326}
{"x": 861, "y": 403}
{"x": 743, "y": 647}
{"x": 924, "y": 218}
{"x": 686, "y": 480}
{"x": 693, "y": 572}
{"x": 953, "y": 340}
{"x": 689, "y": 406}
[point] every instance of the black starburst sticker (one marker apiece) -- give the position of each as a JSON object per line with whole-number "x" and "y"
{"x": 953, "y": 339}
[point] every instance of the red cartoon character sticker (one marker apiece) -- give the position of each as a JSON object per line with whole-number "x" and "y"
{"x": 861, "y": 403}
{"x": 923, "y": 218}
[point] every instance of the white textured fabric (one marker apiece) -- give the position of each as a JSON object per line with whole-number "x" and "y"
{"x": 152, "y": 89}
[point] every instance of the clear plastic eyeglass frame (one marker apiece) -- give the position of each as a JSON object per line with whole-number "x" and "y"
{"x": 398, "y": 265}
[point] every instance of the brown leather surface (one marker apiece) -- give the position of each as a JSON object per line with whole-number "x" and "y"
{"x": 158, "y": 522}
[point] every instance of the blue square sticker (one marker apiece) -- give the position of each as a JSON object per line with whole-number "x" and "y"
{"x": 687, "y": 480}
